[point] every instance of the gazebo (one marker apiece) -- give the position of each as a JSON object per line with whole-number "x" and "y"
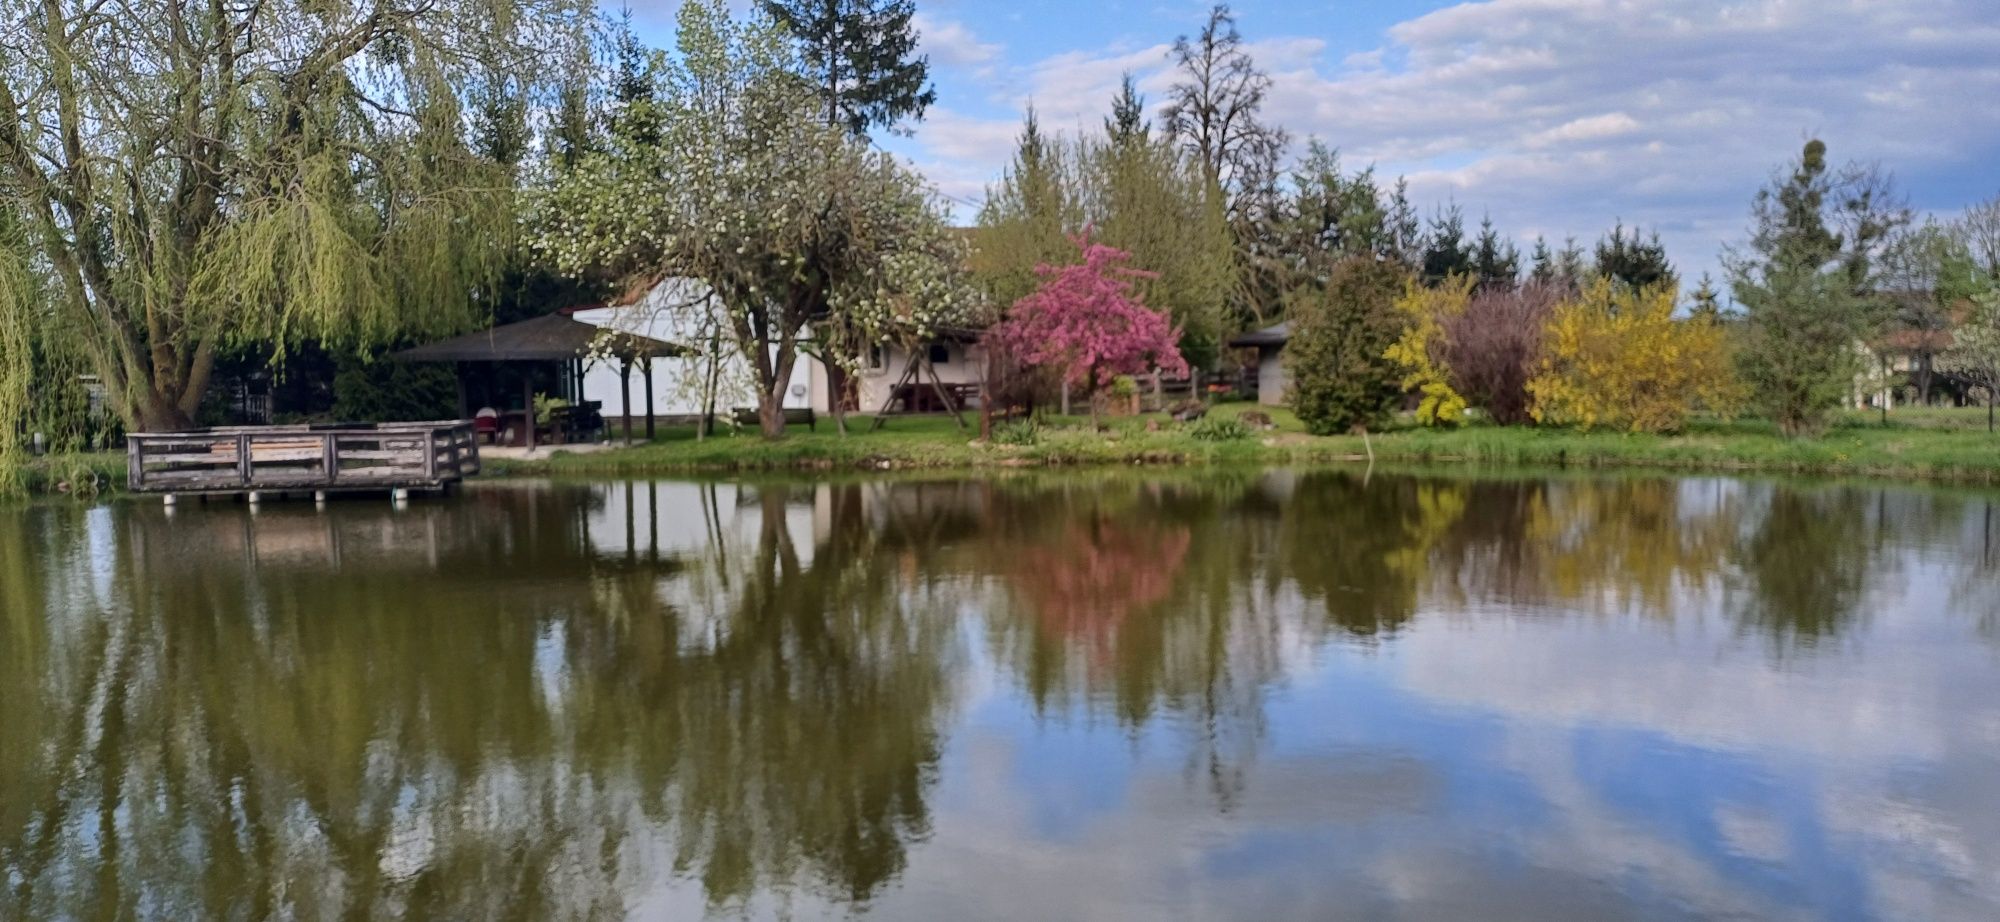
{"x": 556, "y": 339}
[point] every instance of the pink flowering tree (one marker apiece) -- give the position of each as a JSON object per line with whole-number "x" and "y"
{"x": 1087, "y": 321}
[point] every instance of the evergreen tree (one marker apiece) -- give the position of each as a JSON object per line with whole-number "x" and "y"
{"x": 1445, "y": 252}
{"x": 1405, "y": 229}
{"x": 1542, "y": 263}
{"x": 634, "y": 113}
{"x": 1802, "y": 321}
{"x": 1636, "y": 262}
{"x": 1127, "y": 123}
{"x": 1495, "y": 261}
{"x": 1570, "y": 268}
{"x": 1706, "y": 302}
{"x": 1336, "y": 363}
{"x": 861, "y": 54}
{"x": 1331, "y": 216}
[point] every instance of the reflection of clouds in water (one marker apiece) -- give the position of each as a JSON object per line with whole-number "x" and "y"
{"x": 1898, "y": 697}
{"x": 1904, "y": 697}
{"x": 1338, "y": 697}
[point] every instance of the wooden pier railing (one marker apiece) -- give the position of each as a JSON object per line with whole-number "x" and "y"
{"x": 274, "y": 459}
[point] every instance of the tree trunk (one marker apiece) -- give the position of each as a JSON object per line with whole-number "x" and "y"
{"x": 771, "y": 401}
{"x": 154, "y": 413}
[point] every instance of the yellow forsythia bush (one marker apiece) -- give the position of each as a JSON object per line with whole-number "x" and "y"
{"x": 1615, "y": 356}
{"x": 1427, "y": 309}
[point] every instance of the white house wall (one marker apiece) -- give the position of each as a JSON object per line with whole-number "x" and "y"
{"x": 676, "y": 390}
{"x": 965, "y": 364}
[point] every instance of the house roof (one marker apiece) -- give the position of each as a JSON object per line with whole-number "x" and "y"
{"x": 548, "y": 338}
{"x": 1276, "y": 335}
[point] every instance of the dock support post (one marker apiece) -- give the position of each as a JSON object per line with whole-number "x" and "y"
{"x": 169, "y": 500}
{"x": 319, "y": 498}
{"x": 400, "y": 496}
{"x": 254, "y": 497}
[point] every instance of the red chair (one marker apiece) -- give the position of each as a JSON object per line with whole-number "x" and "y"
{"x": 487, "y": 427}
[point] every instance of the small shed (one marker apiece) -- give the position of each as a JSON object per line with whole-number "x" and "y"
{"x": 553, "y": 339}
{"x": 1270, "y": 345}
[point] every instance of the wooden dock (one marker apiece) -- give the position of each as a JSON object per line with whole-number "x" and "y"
{"x": 395, "y": 458}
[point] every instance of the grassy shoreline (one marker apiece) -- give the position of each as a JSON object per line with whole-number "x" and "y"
{"x": 1935, "y": 446}
{"x": 1941, "y": 446}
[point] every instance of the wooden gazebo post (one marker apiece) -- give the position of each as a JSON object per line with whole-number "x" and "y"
{"x": 625, "y": 393}
{"x": 648, "y": 367}
{"x": 528, "y": 401}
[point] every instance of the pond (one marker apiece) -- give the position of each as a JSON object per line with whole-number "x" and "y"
{"x": 1282, "y": 694}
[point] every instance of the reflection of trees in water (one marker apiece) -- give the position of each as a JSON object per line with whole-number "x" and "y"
{"x": 467, "y": 710}
{"x": 219, "y": 741}
{"x": 1130, "y": 595}
{"x": 1978, "y": 588}
{"x": 1806, "y": 561}
{"x": 1646, "y": 546}
{"x": 1360, "y": 545}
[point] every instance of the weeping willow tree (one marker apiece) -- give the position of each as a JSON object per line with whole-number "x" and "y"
{"x": 19, "y": 298}
{"x": 199, "y": 176}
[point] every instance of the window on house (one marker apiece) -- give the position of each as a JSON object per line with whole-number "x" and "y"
{"x": 940, "y": 354}
{"x": 875, "y": 357}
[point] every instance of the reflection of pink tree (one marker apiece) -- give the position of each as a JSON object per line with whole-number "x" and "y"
{"x": 1086, "y": 584}
{"x": 1086, "y": 320}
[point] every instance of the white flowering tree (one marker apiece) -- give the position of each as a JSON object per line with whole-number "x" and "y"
{"x": 1975, "y": 350}
{"x": 737, "y": 180}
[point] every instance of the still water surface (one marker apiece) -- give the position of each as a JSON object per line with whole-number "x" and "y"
{"x": 1213, "y": 695}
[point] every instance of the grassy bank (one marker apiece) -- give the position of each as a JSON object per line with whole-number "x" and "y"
{"x": 1942, "y": 446}
{"x": 1950, "y": 446}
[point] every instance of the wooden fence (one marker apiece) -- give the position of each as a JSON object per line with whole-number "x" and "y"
{"x": 389, "y": 456}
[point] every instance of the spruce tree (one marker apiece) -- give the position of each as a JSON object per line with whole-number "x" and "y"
{"x": 1127, "y": 123}
{"x": 1542, "y": 264}
{"x": 1495, "y": 261}
{"x": 1445, "y": 252}
{"x": 1802, "y": 321}
{"x": 1404, "y": 227}
{"x": 1570, "y": 267}
{"x": 861, "y": 54}
{"x": 1633, "y": 261}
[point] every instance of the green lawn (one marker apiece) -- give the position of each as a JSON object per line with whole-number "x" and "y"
{"x": 1944, "y": 445}
{"x": 1941, "y": 445}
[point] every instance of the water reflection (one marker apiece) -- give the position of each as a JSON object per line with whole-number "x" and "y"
{"x": 1223, "y": 694}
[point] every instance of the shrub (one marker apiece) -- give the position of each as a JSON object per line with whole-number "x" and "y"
{"x": 1424, "y": 310}
{"x": 1617, "y": 356}
{"x": 1337, "y": 361}
{"x": 1493, "y": 347}
{"x": 1219, "y": 429}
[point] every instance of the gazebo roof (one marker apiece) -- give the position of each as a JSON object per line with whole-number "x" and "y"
{"x": 549, "y": 338}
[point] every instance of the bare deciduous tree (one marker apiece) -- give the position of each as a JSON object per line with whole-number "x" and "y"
{"x": 1214, "y": 110}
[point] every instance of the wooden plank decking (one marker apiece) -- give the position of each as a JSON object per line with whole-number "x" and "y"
{"x": 277, "y": 459}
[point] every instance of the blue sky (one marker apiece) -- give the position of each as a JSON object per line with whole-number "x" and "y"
{"x": 1556, "y": 117}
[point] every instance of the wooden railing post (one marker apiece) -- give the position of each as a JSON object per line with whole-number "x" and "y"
{"x": 135, "y": 463}
{"x": 330, "y": 457}
{"x": 243, "y": 467}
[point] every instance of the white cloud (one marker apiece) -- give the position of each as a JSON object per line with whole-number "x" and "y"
{"x": 1560, "y": 116}
{"x": 1588, "y": 128}
{"x": 951, "y": 44}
